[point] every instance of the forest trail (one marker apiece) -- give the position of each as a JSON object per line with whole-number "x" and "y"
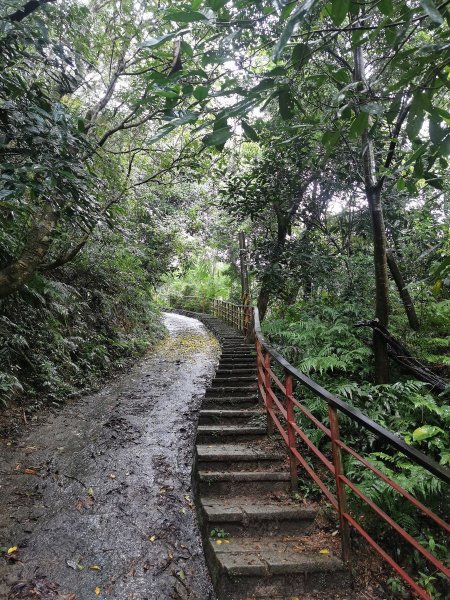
{"x": 97, "y": 498}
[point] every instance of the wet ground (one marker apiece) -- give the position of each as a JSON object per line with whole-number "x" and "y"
{"x": 97, "y": 497}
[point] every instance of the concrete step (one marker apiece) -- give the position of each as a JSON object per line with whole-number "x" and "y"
{"x": 217, "y": 402}
{"x": 214, "y": 433}
{"x": 237, "y": 370}
{"x": 243, "y": 517}
{"x": 232, "y": 417}
{"x": 243, "y": 456}
{"x": 270, "y": 568}
{"x": 231, "y": 390}
{"x": 242, "y": 483}
{"x": 234, "y": 380}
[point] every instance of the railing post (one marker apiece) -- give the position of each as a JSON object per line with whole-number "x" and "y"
{"x": 267, "y": 387}
{"x": 340, "y": 486}
{"x": 291, "y": 431}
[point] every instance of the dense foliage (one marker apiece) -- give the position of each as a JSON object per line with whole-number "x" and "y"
{"x": 137, "y": 138}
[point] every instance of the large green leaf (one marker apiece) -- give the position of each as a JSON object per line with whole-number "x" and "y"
{"x": 386, "y": 7}
{"x": 286, "y": 104}
{"x": 249, "y": 131}
{"x": 339, "y": 10}
{"x": 300, "y": 55}
{"x": 158, "y": 41}
{"x": 201, "y": 92}
{"x": 218, "y": 137}
{"x": 425, "y": 432}
{"x": 291, "y": 26}
{"x": 360, "y": 123}
{"x": 431, "y": 10}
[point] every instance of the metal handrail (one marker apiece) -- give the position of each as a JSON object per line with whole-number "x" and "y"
{"x": 394, "y": 440}
{"x": 265, "y": 353}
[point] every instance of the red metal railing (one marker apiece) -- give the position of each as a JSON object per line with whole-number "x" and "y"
{"x": 237, "y": 315}
{"x": 281, "y": 415}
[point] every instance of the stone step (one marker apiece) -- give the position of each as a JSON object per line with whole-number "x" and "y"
{"x": 218, "y": 402}
{"x": 242, "y": 483}
{"x": 231, "y": 417}
{"x": 272, "y": 568}
{"x": 240, "y": 371}
{"x": 231, "y": 390}
{"x": 248, "y": 456}
{"x": 234, "y": 380}
{"x": 244, "y": 517}
{"x": 213, "y": 433}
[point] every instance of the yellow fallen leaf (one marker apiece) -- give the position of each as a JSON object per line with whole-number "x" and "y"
{"x": 97, "y": 591}
{"x": 95, "y": 568}
{"x": 226, "y": 541}
{"x": 218, "y": 541}
{"x": 152, "y": 538}
{"x": 11, "y": 550}
{"x": 90, "y": 492}
{"x": 324, "y": 551}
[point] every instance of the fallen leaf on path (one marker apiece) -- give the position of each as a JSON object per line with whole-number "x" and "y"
{"x": 30, "y": 472}
{"x": 90, "y": 492}
{"x": 324, "y": 551}
{"x": 97, "y": 591}
{"x": 181, "y": 575}
{"x": 12, "y": 549}
{"x": 73, "y": 564}
{"x": 218, "y": 542}
{"x": 95, "y": 568}
{"x": 152, "y": 538}
{"x": 112, "y": 476}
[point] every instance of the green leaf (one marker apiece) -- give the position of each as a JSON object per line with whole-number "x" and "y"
{"x": 360, "y": 123}
{"x": 218, "y": 137}
{"x": 185, "y": 16}
{"x": 201, "y": 92}
{"x": 373, "y": 108}
{"x": 414, "y": 122}
{"x": 431, "y": 10}
{"x": 285, "y": 104}
{"x": 217, "y": 4}
{"x": 195, "y": 4}
{"x": 186, "y": 48}
{"x": 329, "y": 140}
{"x": 386, "y": 7}
{"x": 292, "y": 24}
{"x": 249, "y": 131}
{"x": 425, "y": 432}
{"x": 339, "y": 10}
{"x": 300, "y": 55}
{"x": 437, "y": 133}
{"x": 158, "y": 41}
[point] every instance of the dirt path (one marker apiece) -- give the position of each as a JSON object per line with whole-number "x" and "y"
{"x": 98, "y": 497}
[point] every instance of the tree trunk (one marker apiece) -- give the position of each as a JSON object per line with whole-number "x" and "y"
{"x": 403, "y": 291}
{"x": 373, "y": 195}
{"x": 15, "y": 275}
{"x": 263, "y": 299}
{"x": 381, "y": 283}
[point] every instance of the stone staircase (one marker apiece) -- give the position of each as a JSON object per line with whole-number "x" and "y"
{"x": 264, "y": 545}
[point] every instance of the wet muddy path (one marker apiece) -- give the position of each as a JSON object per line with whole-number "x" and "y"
{"x": 97, "y": 498}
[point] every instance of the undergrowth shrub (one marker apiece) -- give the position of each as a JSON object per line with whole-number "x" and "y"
{"x": 319, "y": 338}
{"x": 64, "y": 332}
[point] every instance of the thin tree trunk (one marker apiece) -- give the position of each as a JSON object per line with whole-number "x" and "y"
{"x": 16, "y": 274}
{"x": 403, "y": 291}
{"x": 373, "y": 195}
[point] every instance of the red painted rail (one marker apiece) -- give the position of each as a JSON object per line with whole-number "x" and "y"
{"x": 281, "y": 406}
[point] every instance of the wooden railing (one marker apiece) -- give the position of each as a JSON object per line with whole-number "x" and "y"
{"x": 282, "y": 407}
